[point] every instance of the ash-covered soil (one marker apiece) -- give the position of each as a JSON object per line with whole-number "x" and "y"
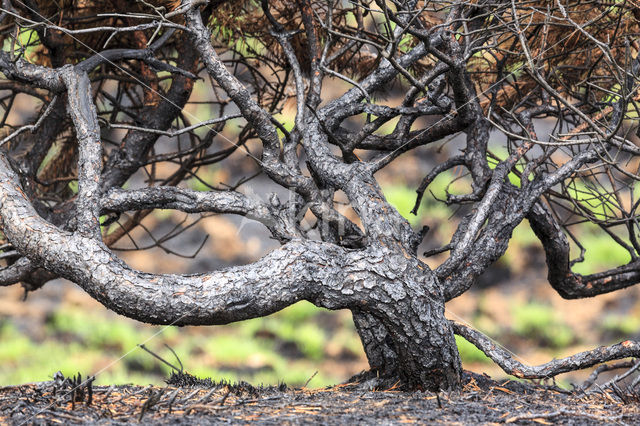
{"x": 199, "y": 402}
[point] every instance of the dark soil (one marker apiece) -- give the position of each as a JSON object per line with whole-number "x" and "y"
{"x": 482, "y": 400}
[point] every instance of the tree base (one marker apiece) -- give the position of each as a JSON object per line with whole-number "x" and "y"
{"x": 372, "y": 380}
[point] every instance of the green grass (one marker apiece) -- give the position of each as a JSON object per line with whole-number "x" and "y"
{"x": 78, "y": 341}
{"x": 403, "y": 199}
{"x": 431, "y": 212}
{"x": 23, "y": 360}
{"x": 602, "y": 253}
{"x": 469, "y": 353}
{"x": 620, "y": 326}
{"x": 75, "y": 340}
{"x": 539, "y": 322}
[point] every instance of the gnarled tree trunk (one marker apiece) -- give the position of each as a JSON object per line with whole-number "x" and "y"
{"x": 367, "y": 261}
{"x": 391, "y": 290}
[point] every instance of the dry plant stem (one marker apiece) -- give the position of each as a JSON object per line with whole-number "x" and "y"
{"x": 575, "y": 362}
{"x": 127, "y": 159}
{"x": 288, "y": 177}
{"x": 633, "y": 364}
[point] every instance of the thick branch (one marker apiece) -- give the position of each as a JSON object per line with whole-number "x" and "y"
{"x": 496, "y": 189}
{"x": 325, "y": 274}
{"x": 16, "y": 272}
{"x": 380, "y": 219}
{"x": 290, "y": 177}
{"x": 30, "y": 148}
{"x": 85, "y": 119}
{"x": 145, "y": 55}
{"x": 36, "y": 75}
{"x": 567, "y": 283}
{"x": 294, "y": 272}
{"x": 400, "y": 144}
{"x": 168, "y": 197}
{"x": 23, "y": 270}
{"x": 335, "y": 111}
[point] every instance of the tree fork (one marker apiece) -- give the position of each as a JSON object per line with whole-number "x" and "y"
{"x": 325, "y": 274}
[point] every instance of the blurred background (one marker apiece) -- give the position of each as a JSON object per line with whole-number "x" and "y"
{"x": 60, "y": 328}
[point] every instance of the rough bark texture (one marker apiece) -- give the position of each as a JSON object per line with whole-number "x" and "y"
{"x": 459, "y": 66}
{"x": 329, "y": 276}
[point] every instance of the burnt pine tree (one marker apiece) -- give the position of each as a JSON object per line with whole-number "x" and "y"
{"x": 113, "y": 77}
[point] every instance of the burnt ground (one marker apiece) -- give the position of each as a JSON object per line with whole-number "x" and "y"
{"x": 482, "y": 400}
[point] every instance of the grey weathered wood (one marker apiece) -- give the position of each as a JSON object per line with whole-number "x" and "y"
{"x": 368, "y": 265}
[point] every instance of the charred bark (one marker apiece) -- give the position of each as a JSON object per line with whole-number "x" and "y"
{"x": 397, "y": 291}
{"x": 367, "y": 260}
